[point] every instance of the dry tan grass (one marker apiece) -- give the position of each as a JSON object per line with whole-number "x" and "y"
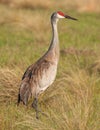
{"x": 26, "y": 20}
{"x": 81, "y": 6}
{"x": 27, "y": 3}
{"x": 9, "y": 83}
{"x": 95, "y": 67}
{"x": 78, "y": 52}
{"x": 71, "y": 97}
{"x": 88, "y": 5}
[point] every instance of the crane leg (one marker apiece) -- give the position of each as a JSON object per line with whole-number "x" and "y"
{"x": 35, "y": 106}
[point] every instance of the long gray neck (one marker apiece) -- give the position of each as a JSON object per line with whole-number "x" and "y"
{"x": 54, "y": 46}
{"x": 55, "y": 41}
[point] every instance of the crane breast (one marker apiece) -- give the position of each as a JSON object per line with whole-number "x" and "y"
{"x": 47, "y": 78}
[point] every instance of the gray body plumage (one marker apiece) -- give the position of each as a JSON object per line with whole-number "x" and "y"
{"x": 39, "y": 76}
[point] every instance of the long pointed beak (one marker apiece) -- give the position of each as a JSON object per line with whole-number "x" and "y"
{"x": 69, "y": 17}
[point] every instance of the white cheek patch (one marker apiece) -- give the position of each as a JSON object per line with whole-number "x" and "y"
{"x": 60, "y": 16}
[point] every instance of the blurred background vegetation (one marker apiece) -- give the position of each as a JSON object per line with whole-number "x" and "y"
{"x": 79, "y": 5}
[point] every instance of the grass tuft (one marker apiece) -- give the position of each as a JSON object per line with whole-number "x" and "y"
{"x": 9, "y": 84}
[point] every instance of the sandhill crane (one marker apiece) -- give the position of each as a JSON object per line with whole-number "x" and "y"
{"x": 39, "y": 76}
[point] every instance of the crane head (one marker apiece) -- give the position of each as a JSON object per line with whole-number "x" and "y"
{"x": 62, "y": 15}
{"x": 58, "y": 15}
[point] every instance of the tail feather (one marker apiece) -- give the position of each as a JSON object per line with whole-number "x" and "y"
{"x": 24, "y": 93}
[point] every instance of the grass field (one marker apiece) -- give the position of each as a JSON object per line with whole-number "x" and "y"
{"x": 73, "y": 101}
